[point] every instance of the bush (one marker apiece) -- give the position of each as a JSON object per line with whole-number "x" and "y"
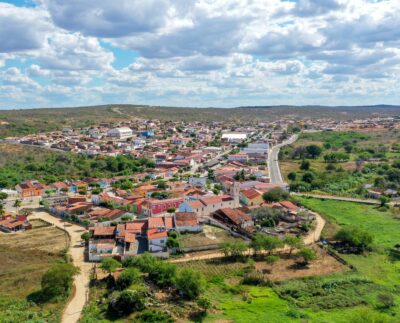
{"x": 109, "y": 265}
{"x": 275, "y": 195}
{"x": 307, "y": 255}
{"x": 153, "y": 316}
{"x": 164, "y": 274}
{"x": 189, "y": 283}
{"x": 385, "y": 300}
{"x": 253, "y": 278}
{"x": 129, "y": 301}
{"x": 145, "y": 262}
{"x": 127, "y": 278}
{"x": 57, "y": 281}
{"x": 356, "y": 237}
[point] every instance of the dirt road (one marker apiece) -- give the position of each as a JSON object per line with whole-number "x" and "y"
{"x": 74, "y": 308}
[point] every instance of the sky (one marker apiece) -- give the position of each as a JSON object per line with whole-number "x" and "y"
{"x": 200, "y": 53}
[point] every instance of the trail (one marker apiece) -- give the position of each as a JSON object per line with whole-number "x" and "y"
{"x": 74, "y": 308}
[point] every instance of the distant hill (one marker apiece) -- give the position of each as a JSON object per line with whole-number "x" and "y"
{"x": 18, "y": 122}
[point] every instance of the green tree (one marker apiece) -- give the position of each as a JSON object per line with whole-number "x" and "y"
{"x": 164, "y": 274}
{"x": 275, "y": 195}
{"x": 17, "y": 204}
{"x": 307, "y": 255}
{"x": 86, "y": 236}
{"x": 292, "y": 242}
{"x": 110, "y": 265}
{"x": 57, "y": 281}
{"x": 305, "y": 165}
{"x": 313, "y": 151}
{"x": 356, "y": 237}
{"x": 384, "y": 200}
{"x": 129, "y": 301}
{"x": 292, "y": 176}
{"x": 127, "y": 278}
{"x": 204, "y": 303}
{"x": 189, "y": 283}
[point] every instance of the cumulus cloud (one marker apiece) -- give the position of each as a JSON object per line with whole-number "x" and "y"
{"x": 22, "y": 29}
{"x": 203, "y": 52}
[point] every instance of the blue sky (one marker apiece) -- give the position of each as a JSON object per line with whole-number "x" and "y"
{"x": 222, "y": 53}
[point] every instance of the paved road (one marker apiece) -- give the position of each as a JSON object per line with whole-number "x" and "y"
{"x": 74, "y": 308}
{"x": 273, "y": 163}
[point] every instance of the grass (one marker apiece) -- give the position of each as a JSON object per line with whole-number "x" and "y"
{"x": 384, "y": 227}
{"x": 25, "y": 258}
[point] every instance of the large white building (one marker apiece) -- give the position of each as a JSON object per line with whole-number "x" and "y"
{"x": 121, "y": 133}
{"x": 234, "y": 136}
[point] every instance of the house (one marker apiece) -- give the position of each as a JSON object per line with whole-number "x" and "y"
{"x": 250, "y": 197}
{"x": 206, "y": 205}
{"x": 234, "y": 218}
{"x": 29, "y": 189}
{"x": 100, "y": 248}
{"x": 157, "y": 239}
{"x": 187, "y": 222}
{"x": 154, "y": 207}
{"x": 11, "y": 224}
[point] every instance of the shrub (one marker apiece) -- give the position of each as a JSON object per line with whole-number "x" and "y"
{"x": 109, "y": 265}
{"x": 356, "y": 237}
{"x": 253, "y": 278}
{"x": 164, "y": 274}
{"x": 275, "y": 195}
{"x": 57, "y": 281}
{"x": 127, "y": 278}
{"x": 129, "y": 301}
{"x": 189, "y": 283}
{"x": 153, "y": 316}
{"x": 385, "y": 300}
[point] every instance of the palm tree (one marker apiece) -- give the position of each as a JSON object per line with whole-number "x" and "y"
{"x": 17, "y": 205}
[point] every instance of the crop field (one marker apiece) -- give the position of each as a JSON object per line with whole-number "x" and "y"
{"x": 25, "y": 258}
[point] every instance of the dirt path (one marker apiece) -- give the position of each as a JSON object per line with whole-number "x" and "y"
{"x": 74, "y": 308}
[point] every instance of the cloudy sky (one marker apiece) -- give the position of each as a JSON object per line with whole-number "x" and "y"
{"x": 199, "y": 52}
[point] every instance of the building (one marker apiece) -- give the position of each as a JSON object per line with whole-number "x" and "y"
{"x": 120, "y": 133}
{"x": 156, "y": 207}
{"x": 204, "y": 206}
{"x": 29, "y": 189}
{"x": 234, "y": 136}
{"x": 250, "y": 197}
{"x": 235, "y": 219}
{"x": 187, "y": 222}
{"x": 11, "y": 224}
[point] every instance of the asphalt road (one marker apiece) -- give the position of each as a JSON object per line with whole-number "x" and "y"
{"x": 273, "y": 163}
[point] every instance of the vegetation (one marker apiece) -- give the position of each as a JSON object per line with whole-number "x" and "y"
{"x": 275, "y": 195}
{"x": 19, "y": 163}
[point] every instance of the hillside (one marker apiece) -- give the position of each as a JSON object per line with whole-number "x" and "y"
{"x": 19, "y": 122}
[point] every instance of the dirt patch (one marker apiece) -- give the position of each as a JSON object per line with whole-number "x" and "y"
{"x": 286, "y": 268}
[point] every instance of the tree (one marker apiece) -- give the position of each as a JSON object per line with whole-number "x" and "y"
{"x": 86, "y": 236}
{"x": 308, "y": 177}
{"x": 57, "y": 281}
{"x": 17, "y": 204}
{"x": 292, "y": 176}
{"x": 307, "y": 255}
{"x": 172, "y": 243}
{"x": 356, "y": 237}
{"x": 305, "y": 165}
{"x": 271, "y": 259}
{"x": 271, "y": 243}
{"x": 266, "y": 216}
{"x": 384, "y": 200}
{"x": 2, "y": 211}
{"x": 314, "y": 151}
{"x": 162, "y": 185}
{"x": 3, "y": 196}
{"x": 164, "y": 274}
{"x": 189, "y": 283}
{"x": 204, "y": 303}
{"x": 235, "y": 249}
{"x": 110, "y": 265}
{"x": 129, "y": 301}
{"x": 171, "y": 210}
{"x": 275, "y": 195}
{"x": 293, "y": 242}
{"x": 127, "y": 278}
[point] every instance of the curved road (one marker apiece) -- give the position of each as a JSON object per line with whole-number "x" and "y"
{"x": 273, "y": 162}
{"x": 74, "y": 308}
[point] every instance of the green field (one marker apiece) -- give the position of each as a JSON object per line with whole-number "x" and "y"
{"x": 384, "y": 226}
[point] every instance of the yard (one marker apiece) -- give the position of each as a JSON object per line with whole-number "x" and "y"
{"x": 210, "y": 235}
{"x": 25, "y": 258}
